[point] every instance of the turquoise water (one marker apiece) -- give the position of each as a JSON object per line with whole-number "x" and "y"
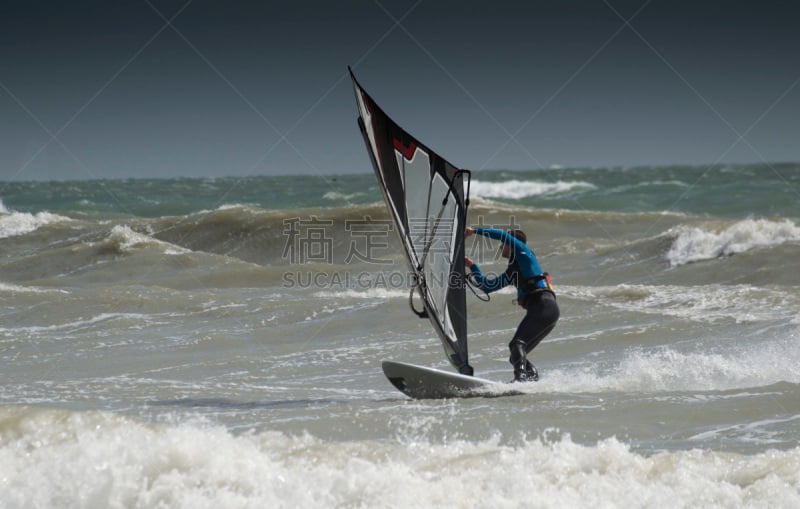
{"x": 769, "y": 190}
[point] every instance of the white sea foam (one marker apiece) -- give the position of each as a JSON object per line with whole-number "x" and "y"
{"x": 368, "y": 294}
{"x": 517, "y": 189}
{"x": 694, "y": 244}
{"x": 709, "y": 303}
{"x": 126, "y": 239}
{"x": 60, "y": 459}
{"x": 668, "y": 369}
{"x": 233, "y": 206}
{"x": 19, "y": 223}
{"x": 339, "y": 196}
{"x": 662, "y": 369}
{"x": 12, "y": 288}
{"x": 81, "y": 324}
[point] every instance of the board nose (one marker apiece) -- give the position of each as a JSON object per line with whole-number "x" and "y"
{"x": 398, "y": 382}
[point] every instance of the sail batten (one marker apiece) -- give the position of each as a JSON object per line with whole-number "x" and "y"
{"x": 425, "y": 196}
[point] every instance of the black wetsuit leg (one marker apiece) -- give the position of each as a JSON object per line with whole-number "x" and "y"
{"x": 541, "y": 316}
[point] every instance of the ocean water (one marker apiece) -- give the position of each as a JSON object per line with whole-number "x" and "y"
{"x": 217, "y": 343}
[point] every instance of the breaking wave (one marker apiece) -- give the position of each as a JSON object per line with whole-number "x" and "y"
{"x": 13, "y": 223}
{"x": 47, "y": 455}
{"x": 518, "y": 189}
{"x": 693, "y": 244}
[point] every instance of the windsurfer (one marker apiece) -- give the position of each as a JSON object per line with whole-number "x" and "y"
{"x": 534, "y": 293}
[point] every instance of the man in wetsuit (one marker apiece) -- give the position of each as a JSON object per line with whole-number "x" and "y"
{"x": 534, "y": 293}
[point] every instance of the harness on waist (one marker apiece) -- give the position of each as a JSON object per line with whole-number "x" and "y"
{"x": 534, "y": 285}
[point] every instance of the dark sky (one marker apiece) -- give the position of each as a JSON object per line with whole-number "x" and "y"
{"x": 108, "y": 89}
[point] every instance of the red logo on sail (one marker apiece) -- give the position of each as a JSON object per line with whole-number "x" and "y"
{"x": 407, "y": 152}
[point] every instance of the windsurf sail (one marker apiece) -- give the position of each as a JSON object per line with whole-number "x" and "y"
{"x": 427, "y": 198}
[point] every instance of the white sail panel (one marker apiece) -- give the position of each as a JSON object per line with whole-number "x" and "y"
{"x": 416, "y": 182}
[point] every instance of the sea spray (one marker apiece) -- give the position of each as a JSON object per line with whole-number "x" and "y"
{"x": 693, "y": 243}
{"x": 52, "y": 458}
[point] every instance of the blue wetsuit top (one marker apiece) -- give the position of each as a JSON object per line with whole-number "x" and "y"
{"x": 523, "y": 268}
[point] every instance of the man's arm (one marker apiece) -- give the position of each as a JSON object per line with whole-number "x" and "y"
{"x": 486, "y": 284}
{"x": 522, "y": 253}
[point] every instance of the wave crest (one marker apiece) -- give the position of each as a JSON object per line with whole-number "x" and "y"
{"x": 518, "y": 189}
{"x": 13, "y": 224}
{"x": 694, "y": 244}
{"x": 47, "y": 452}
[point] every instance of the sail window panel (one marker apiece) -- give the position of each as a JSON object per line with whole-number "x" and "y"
{"x": 416, "y": 178}
{"x": 439, "y": 255}
{"x": 443, "y": 260}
